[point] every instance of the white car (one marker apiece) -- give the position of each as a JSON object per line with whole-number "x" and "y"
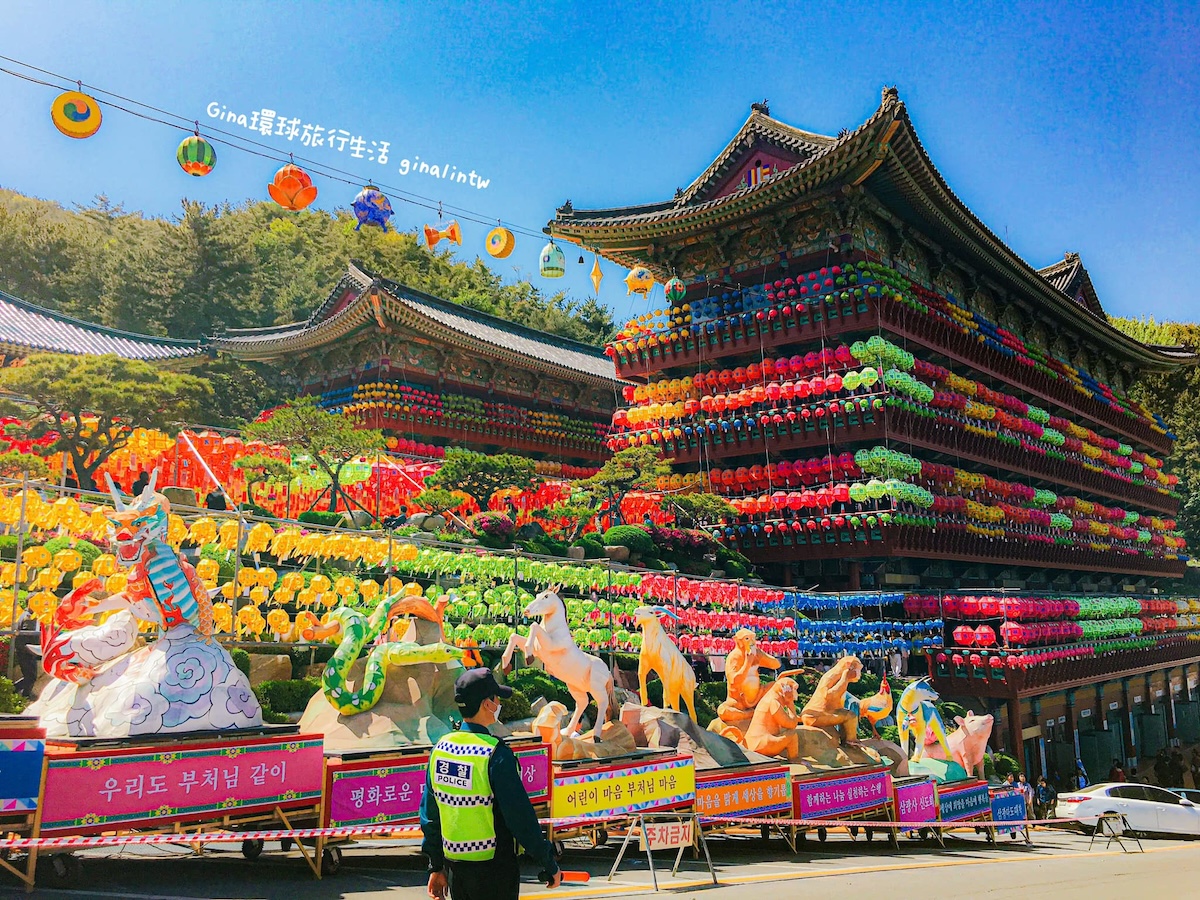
{"x": 1147, "y": 809}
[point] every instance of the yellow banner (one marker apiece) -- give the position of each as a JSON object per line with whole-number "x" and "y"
{"x": 611, "y": 791}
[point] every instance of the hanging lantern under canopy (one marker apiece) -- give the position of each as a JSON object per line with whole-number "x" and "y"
{"x": 553, "y": 262}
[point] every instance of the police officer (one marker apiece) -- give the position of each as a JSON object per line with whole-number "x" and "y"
{"x": 475, "y": 809}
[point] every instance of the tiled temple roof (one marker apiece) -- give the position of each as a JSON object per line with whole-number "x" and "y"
{"x": 1070, "y": 277}
{"x": 350, "y": 306}
{"x": 26, "y": 328}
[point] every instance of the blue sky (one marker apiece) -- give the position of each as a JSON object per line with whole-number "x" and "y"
{"x": 1063, "y": 126}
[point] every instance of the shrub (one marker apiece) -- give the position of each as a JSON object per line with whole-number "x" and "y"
{"x": 8, "y": 546}
{"x": 316, "y": 517}
{"x": 1000, "y": 765}
{"x": 287, "y": 696}
{"x": 890, "y": 733}
{"x": 637, "y": 539}
{"x": 593, "y": 547}
{"x": 734, "y": 569}
{"x": 86, "y": 549}
{"x": 241, "y": 659}
{"x": 11, "y": 702}
{"x": 517, "y": 707}
{"x": 535, "y": 683}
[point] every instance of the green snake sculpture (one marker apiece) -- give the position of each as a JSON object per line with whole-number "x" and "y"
{"x": 357, "y": 631}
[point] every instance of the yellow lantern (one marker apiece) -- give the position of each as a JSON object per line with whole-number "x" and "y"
{"x": 6, "y": 608}
{"x": 305, "y": 620}
{"x": 292, "y": 581}
{"x": 227, "y": 534}
{"x": 344, "y": 586}
{"x": 203, "y": 531}
{"x": 406, "y": 552}
{"x": 279, "y": 623}
{"x": 284, "y": 597}
{"x": 37, "y": 557}
{"x": 80, "y": 579}
{"x": 247, "y": 577}
{"x": 104, "y": 564}
{"x": 306, "y": 597}
{"x": 259, "y": 595}
{"x": 320, "y": 584}
{"x": 208, "y": 569}
{"x": 267, "y": 577}
{"x": 329, "y": 599}
{"x": 67, "y": 560}
{"x": 116, "y": 582}
{"x": 229, "y": 590}
{"x": 177, "y": 531}
{"x": 369, "y": 589}
{"x": 222, "y": 617}
{"x": 42, "y": 604}
{"x": 49, "y": 578}
{"x": 260, "y": 538}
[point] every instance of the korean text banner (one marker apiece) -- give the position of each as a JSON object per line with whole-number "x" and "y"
{"x": 753, "y": 793}
{"x": 624, "y": 790}
{"x": 96, "y": 790}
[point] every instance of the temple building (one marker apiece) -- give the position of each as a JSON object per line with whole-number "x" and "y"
{"x": 894, "y": 400}
{"x": 433, "y": 373}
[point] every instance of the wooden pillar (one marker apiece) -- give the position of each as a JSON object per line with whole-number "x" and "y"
{"x": 854, "y": 575}
{"x": 1169, "y": 693}
{"x": 1072, "y": 722}
{"x": 1016, "y": 745}
{"x": 1127, "y": 709}
{"x": 1036, "y": 707}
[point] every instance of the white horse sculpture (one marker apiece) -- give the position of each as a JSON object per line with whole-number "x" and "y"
{"x": 550, "y": 641}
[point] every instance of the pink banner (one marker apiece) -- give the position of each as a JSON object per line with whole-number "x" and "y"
{"x": 377, "y": 791}
{"x": 829, "y": 797}
{"x": 917, "y": 802}
{"x": 89, "y": 791}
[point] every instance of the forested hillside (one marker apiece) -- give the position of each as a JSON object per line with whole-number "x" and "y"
{"x": 240, "y": 266}
{"x": 1177, "y": 398}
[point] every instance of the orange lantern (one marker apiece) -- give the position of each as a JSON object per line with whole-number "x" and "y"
{"x": 292, "y": 188}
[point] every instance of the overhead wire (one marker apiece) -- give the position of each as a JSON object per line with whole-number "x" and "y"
{"x": 247, "y": 145}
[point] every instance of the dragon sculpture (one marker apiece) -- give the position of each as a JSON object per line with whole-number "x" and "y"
{"x": 355, "y": 631}
{"x": 104, "y": 684}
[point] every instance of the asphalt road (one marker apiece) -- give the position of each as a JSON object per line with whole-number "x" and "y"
{"x": 1058, "y": 865}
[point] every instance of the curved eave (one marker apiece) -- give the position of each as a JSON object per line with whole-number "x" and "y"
{"x": 272, "y": 345}
{"x": 908, "y": 171}
{"x": 628, "y": 232}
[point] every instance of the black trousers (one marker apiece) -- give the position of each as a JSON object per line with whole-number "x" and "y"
{"x": 495, "y": 879}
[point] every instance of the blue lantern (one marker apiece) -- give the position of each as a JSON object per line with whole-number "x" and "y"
{"x": 372, "y": 207}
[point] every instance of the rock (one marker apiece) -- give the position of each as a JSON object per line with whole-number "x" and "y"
{"x": 617, "y": 554}
{"x": 417, "y": 520}
{"x": 576, "y": 553}
{"x": 668, "y": 729}
{"x": 270, "y": 668}
{"x": 178, "y": 496}
{"x": 820, "y": 751}
{"x": 360, "y": 518}
{"x": 434, "y": 523}
{"x": 890, "y": 751}
{"x": 530, "y": 531}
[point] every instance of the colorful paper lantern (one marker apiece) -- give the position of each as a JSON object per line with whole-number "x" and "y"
{"x": 76, "y": 114}
{"x": 292, "y": 188}
{"x": 443, "y": 231}
{"x": 500, "y": 243}
{"x": 553, "y": 262}
{"x": 372, "y": 207}
{"x": 639, "y": 281}
{"x": 675, "y": 289}
{"x": 196, "y": 156}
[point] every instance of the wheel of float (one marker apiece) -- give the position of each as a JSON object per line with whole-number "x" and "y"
{"x": 61, "y": 870}
{"x": 991, "y": 835}
{"x": 765, "y": 832}
{"x": 560, "y": 850}
{"x": 925, "y": 833}
{"x": 822, "y": 834}
{"x": 331, "y": 861}
{"x": 854, "y": 831}
{"x": 801, "y": 838}
{"x": 599, "y": 838}
{"x": 252, "y": 849}
{"x": 286, "y": 844}
{"x": 870, "y": 832}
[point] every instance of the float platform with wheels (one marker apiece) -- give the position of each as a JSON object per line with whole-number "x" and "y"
{"x": 757, "y": 790}
{"x": 855, "y": 796}
{"x": 591, "y": 798}
{"x": 22, "y": 774}
{"x": 384, "y": 787}
{"x": 184, "y": 784}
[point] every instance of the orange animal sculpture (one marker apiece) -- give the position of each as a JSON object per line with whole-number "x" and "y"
{"x": 744, "y": 687}
{"x": 827, "y": 708}
{"x": 659, "y": 655}
{"x": 772, "y": 731}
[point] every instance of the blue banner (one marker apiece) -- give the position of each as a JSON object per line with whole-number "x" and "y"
{"x": 20, "y": 774}
{"x": 963, "y": 803}
{"x": 1008, "y": 806}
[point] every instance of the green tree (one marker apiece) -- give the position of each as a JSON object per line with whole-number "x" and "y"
{"x": 632, "y": 469}
{"x": 14, "y": 464}
{"x": 95, "y": 403}
{"x": 330, "y": 440}
{"x": 699, "y": 509}
{"x": 240, "y": 391}
{"x": 480, "y": 475}
{"x": 258, "y": 468}
{"x": 440, "y": 500}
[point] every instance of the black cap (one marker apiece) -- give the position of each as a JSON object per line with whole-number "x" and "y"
{"x": 476, "y": 685}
